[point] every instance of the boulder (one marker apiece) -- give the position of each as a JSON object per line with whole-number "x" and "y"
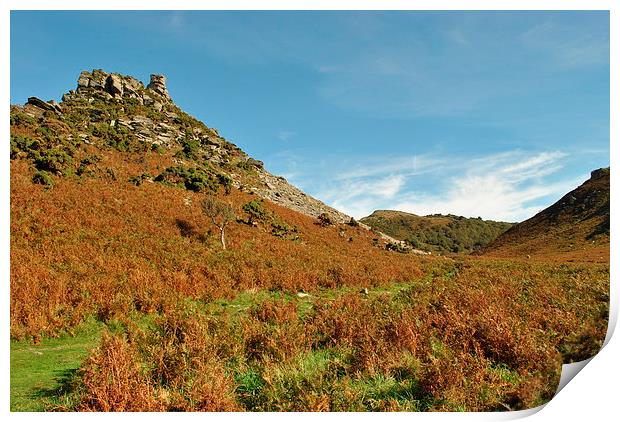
{"x": 45, "y": 105}
{"x": 114, "y": 85}
{"x": 158, "y": 85}
{"x": 98, "y": 79}
{"x": 84, "y": 79}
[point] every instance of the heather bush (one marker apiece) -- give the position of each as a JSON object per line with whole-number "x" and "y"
{"x": 193, "y": 178}
{"x": 255, "y": 211}
{"x": 42, "y": 177}
{"x": 53, "y": 160}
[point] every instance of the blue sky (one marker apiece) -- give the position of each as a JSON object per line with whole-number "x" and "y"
{"x": 491, "y": 114}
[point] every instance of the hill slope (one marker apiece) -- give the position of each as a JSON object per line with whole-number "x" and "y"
{"x": 436, "y": 233}
{"x": 576, "y": 226}
{"x": 106, "y": 187}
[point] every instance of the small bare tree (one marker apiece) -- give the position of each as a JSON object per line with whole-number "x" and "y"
{"x": 220, "y": 214}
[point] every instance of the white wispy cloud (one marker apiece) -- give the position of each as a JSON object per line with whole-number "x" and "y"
{"x": 407, "y": 166}
{"x": 566, "y": 46}
{"x": 492, "y": 196}
{"x": 356, "y": 196}
{"x": 285, "y": 135}
{"x": 509, "y": 186}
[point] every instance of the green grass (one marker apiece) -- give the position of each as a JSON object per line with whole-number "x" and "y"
{"x": 39, "y": 373}
{"x": 375, "y": 391}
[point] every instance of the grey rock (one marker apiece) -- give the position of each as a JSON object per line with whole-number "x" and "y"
{"x": 44, "y": 105}
{"x": 158, "y": 85}
{"x": 114, "y": 85}
{"x": 84, "y": 79}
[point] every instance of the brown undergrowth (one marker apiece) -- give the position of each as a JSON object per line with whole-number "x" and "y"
{"x": 468, "y": 340}
{"x": 228, "y": 330}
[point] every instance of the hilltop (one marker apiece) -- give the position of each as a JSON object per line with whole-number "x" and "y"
{"x": 575, "y": 227}
{"x": 113, "y": 112}
{"x": 437, "y": 233}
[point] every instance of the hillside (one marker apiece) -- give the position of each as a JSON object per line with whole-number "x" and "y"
{"x": 437, "y": 233}
{"x": 112, "y": 112}
{"x": 575, "y": 227}
{"x": 114, "y": 176}
{"x": 123, "y": 297}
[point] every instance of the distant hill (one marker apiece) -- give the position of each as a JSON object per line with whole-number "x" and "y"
{"x": 578, "y": 224}
{"x": 437, "y": 233}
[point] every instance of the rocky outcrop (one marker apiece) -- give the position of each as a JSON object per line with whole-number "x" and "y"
{"x": 45, "y": 105}
{"x": 114, "y": 85}
{"x": 108, "y": 86}
{"x": 158, "y": 85}
{"x": 278, "y": 190}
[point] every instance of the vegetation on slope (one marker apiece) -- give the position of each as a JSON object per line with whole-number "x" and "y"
{"x": 437, "y": 233}
{"x": 296, "y": 313}
{"x": 574, "y": 228}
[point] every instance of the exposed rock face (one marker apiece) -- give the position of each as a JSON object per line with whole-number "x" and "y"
{"x": 278, "y": 190}
{"x": 103, "y": 85}
{"x": 45, "y": 105}
{"x": 158, "y": 85}
{"x": 114, "y": 85}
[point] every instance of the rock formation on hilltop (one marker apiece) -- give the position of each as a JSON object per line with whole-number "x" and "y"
{"x": 113, "y": 86}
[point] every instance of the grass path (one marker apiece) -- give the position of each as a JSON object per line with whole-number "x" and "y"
{"x": 38, "y": 371}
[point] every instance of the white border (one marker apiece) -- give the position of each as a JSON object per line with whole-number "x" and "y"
{"x": 591, "y": 395}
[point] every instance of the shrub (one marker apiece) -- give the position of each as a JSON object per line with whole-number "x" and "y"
{"x": 194, "y": 179}
{"x": 22, "y": 119}
{"x": 53, "y": 160}
{"x": 45, "y": 132}
{"x": 137, "y": 180}
{"x": 189, "y": 148}
{"x": 255, "y": 211}
{"x": 225, "y": 181}
{"x": 283, "y": 230}
{"x": 23, "y": 144}
{"x": 89, "y": 160}
{"x": 42, "y": 177}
